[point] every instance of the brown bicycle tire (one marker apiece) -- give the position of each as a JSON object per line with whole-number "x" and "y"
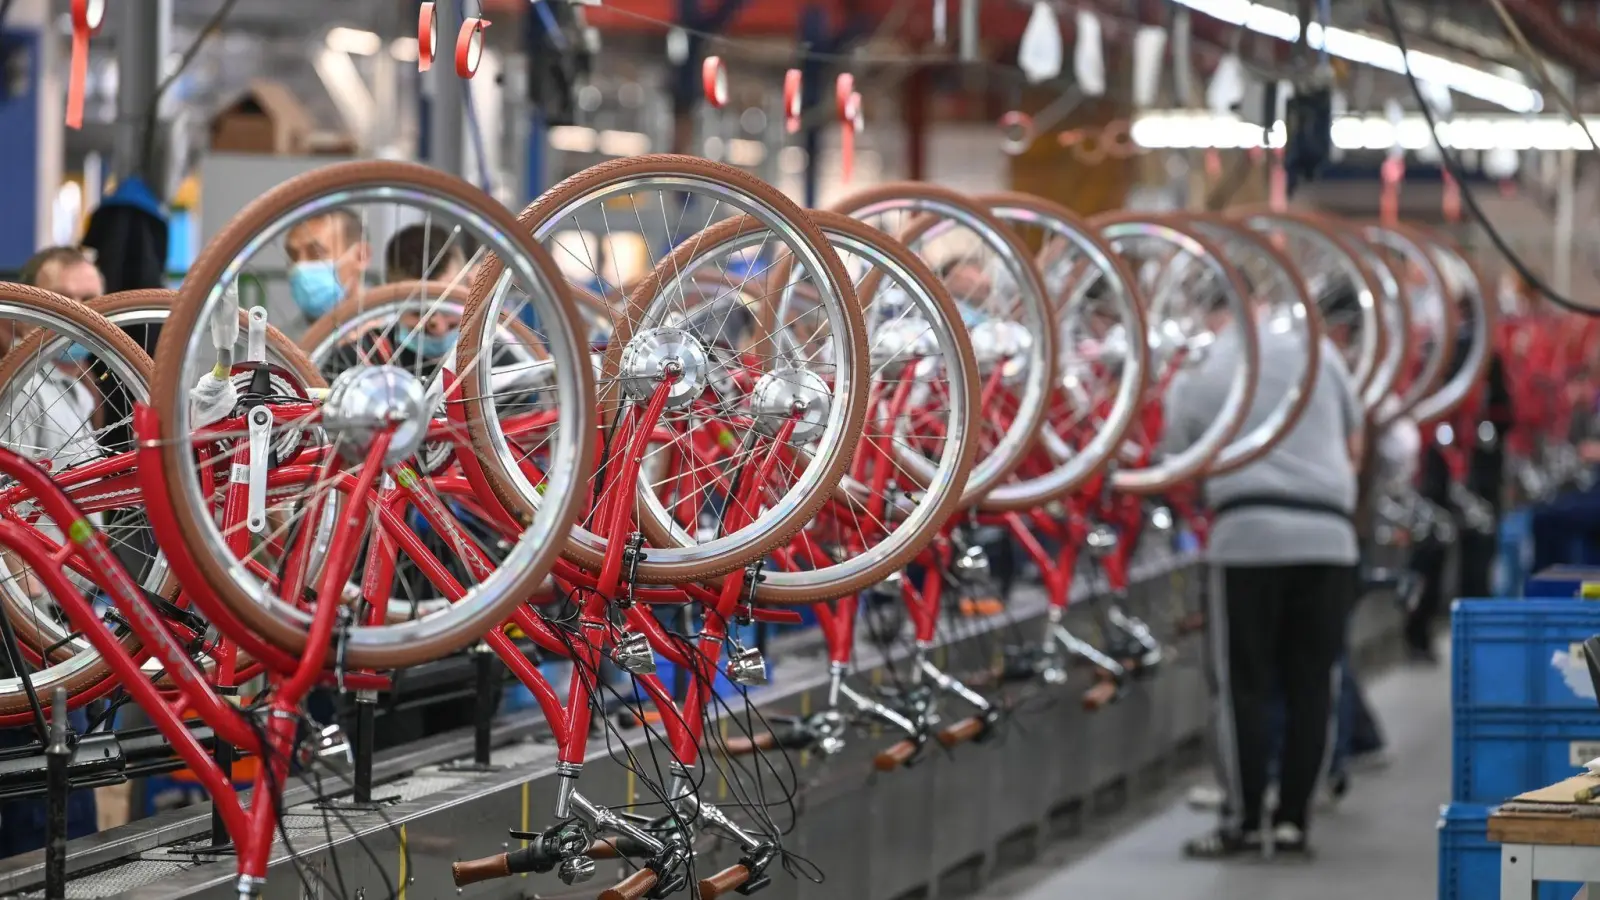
{"x": 978, "y": 489}
{"x": 167, "y": 391}
{"x": 1042, "y": 490}
{"x": 817, "y": 584}
{"x": 583, "y": 548}
{"x": 1222, "y": 465}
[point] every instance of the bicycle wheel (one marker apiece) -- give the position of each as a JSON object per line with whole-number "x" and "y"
{"x": 1194, "y": 299}
{"x": 916, "y": 446}
{"x": 1477, "y": 314}
{"x": 670, "y": 321}
{"x": 1288, "y": 329}
{"x": 1432, "y": 315}
{"x": 1343, "y": 275}
{"x": 1103, "y": 361}
{"x": 371, "y": 424}
{"x": 71, "y": 364}
{"x": 1003, "y": 301}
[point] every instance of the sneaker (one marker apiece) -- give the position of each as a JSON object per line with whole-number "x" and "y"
{"x": 1289, "y": 840}
{"x": 1222, "y": 844}
{"x": 1206, "y": 798}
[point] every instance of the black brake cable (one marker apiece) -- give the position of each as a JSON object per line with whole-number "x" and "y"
{"x": 1453, "y": 165}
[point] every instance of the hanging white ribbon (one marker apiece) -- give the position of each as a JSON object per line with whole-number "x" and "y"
{"x": 1040, "y": 53}
{"x": 1089, "y": 62}
{"x": 1149, "y": 45}
{"x": 1226, "y": 90}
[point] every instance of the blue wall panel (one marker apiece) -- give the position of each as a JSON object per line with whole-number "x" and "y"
{"x": 19, "y": 158}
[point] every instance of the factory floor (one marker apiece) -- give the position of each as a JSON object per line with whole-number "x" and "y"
{"x": 1379, "y": 842}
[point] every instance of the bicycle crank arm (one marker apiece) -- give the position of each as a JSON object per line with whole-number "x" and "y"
{"x": 1150, "y": 651}
{"x": 1088, "y": 652}
{"x": 950, "y": 685}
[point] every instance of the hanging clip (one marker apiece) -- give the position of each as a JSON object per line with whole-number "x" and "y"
{"x": 631, "y": 555}
{"x": 752, "y": 578}
{"x": 87, "y": 18}
{"x": 341, "y": 649}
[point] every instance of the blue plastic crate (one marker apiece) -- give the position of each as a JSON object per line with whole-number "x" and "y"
{"x": 1500, "y": 754}
{"x": 1563, "y": 581}
{"x": 1469, "y": 864}
{"x": 1522, "y": 655}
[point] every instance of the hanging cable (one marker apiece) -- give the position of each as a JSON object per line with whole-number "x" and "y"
{"x": 1453, "y": 165}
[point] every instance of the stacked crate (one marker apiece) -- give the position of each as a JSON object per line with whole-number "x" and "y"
{"x": 1524, "y": 717}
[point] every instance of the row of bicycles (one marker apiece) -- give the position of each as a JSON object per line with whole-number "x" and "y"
{"x": 793, "y": 409}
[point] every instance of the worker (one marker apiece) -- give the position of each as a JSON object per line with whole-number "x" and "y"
{"x": 51, "y": 418}
{"x": 328, "y": 257}
{"x": 1283, "y": 553}
{"x": 429, "y": 252}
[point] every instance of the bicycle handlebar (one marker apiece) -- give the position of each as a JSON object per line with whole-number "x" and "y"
{"x": 729, "y": 879}
{"x": 634, "y": 887}
{"x": 965, "y": 730}
{"x": 895, "y": 756}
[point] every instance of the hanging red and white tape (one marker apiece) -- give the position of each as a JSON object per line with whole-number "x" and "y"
{"x": 793, "y": 86}
{"x": 427, "y": 37}
{"x": 87, "y": 17}
{"x": 1278, "y": 190}
{"x": 469, "y": 46}
{"x": 848, "y": 101}
{"x": 714, "y": 81}
{"x": 1393, "y": 173}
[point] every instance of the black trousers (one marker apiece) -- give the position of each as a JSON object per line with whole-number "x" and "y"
{"x": 1428, "y": 562}
{"x": 1276, "y": 631}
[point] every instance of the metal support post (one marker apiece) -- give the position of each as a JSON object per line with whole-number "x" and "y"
{"x": 224, "y": 755}
{"x": 447, "y": 109}
{"x": 366, "y": 710}
{"x": 57, "y": 755}
{"x": 143, "y": 41}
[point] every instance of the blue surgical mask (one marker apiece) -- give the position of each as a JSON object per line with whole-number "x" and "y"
{"x": 77, "y": 353}
{"x": 315, "y": 286}
{"x": 426, "y": 344}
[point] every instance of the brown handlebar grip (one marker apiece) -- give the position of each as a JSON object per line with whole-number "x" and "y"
{"x": 961, "y": 732}
{"x": 1100, "y": 695}
{"x": 472, "y": 871}
{"x": 634, "y": 887}
{"x": 603, "y": 849}
{"x": 722, "y": 882}
{"x": 744, "y": 746}
{"x": 894, "y": 757}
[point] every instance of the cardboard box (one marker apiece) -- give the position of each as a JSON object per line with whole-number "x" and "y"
{"x": 267, "y": 118}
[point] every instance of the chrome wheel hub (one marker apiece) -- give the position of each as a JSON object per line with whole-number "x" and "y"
{"x": 365, "y": 400}
{"x": 656, "y": 354}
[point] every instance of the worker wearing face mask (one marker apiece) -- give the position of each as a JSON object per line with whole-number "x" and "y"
{"x": 438, "y": 255}
{"x": 328, "y": 255}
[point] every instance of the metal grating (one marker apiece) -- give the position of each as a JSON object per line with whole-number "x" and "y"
{"x": 120, "y": 878}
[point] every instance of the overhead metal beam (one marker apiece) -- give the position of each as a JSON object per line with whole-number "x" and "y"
{"x": 447, "y": 112}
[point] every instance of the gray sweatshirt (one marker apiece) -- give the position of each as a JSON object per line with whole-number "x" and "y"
{"x": 1310, "y": 465}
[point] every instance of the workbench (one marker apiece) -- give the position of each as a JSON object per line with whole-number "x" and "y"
{"x": 1551, "y": 834}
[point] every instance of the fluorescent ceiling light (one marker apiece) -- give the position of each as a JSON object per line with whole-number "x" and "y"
{"x": 624, "y": 143}
{"x": 572, "y": 139}
{"x": 350, "y": 40}
{"x": 1376, "y": 52}
{"x": 743, "y": 152}
{"x": 1190, "y": 130}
